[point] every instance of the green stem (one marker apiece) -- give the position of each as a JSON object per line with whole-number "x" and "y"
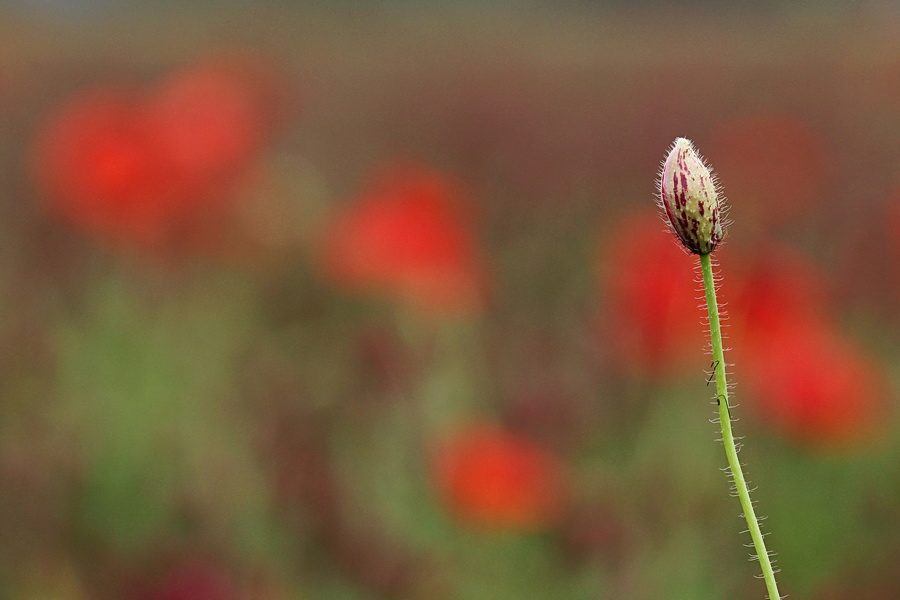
{"x": 727, "y": 436}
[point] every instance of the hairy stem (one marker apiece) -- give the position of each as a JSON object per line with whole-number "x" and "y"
{"x": 727, "y": 436}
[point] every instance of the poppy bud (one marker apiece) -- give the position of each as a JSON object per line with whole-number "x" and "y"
{"x": 689, "y": 194}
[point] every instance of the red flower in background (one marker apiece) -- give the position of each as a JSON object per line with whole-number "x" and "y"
{"x": 774, "y": 164}
{"x": 407, "y": 238}
{"x": 496, "y": 479}
{"x": 99, "y": 164}
{"x": 776, "y": 289}
{"x": 653, "y": 320}
{"x": 143, "y": 169}
{"x": 803, "y": 378}
{"x": 815, "y": 387}
{"x": 213, "y": 118}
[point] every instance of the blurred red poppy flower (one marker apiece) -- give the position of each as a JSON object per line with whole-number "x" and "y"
{"x": 804, "y": 379}
{"x": 653, "y": 322}
{"x": 493, "y": 478}
{"x": 211, "y": 118}
{"x": 774, "y": 164}
{"x": 775, "y": 289}
{"x": 99, "y": 164}
{"x": 148, "y": 168}
{"x": 815, "y": 387}
{"x": 407, "y": 237}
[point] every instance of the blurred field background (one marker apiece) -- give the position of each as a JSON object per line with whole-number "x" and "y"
{"x": 346, "y": 301}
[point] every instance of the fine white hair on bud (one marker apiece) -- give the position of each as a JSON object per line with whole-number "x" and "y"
{"x": 689, "y": 194}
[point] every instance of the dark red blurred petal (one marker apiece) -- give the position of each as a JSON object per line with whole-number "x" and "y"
{"x": 190, "y": 581}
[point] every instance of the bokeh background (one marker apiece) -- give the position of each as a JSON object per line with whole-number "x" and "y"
{"x": 348, "y": 301}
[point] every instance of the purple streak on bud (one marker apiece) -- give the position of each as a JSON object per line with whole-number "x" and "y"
{"x": 689, "y": 195}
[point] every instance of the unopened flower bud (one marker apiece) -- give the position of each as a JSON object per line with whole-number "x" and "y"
{"x": 689, "y": 194}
